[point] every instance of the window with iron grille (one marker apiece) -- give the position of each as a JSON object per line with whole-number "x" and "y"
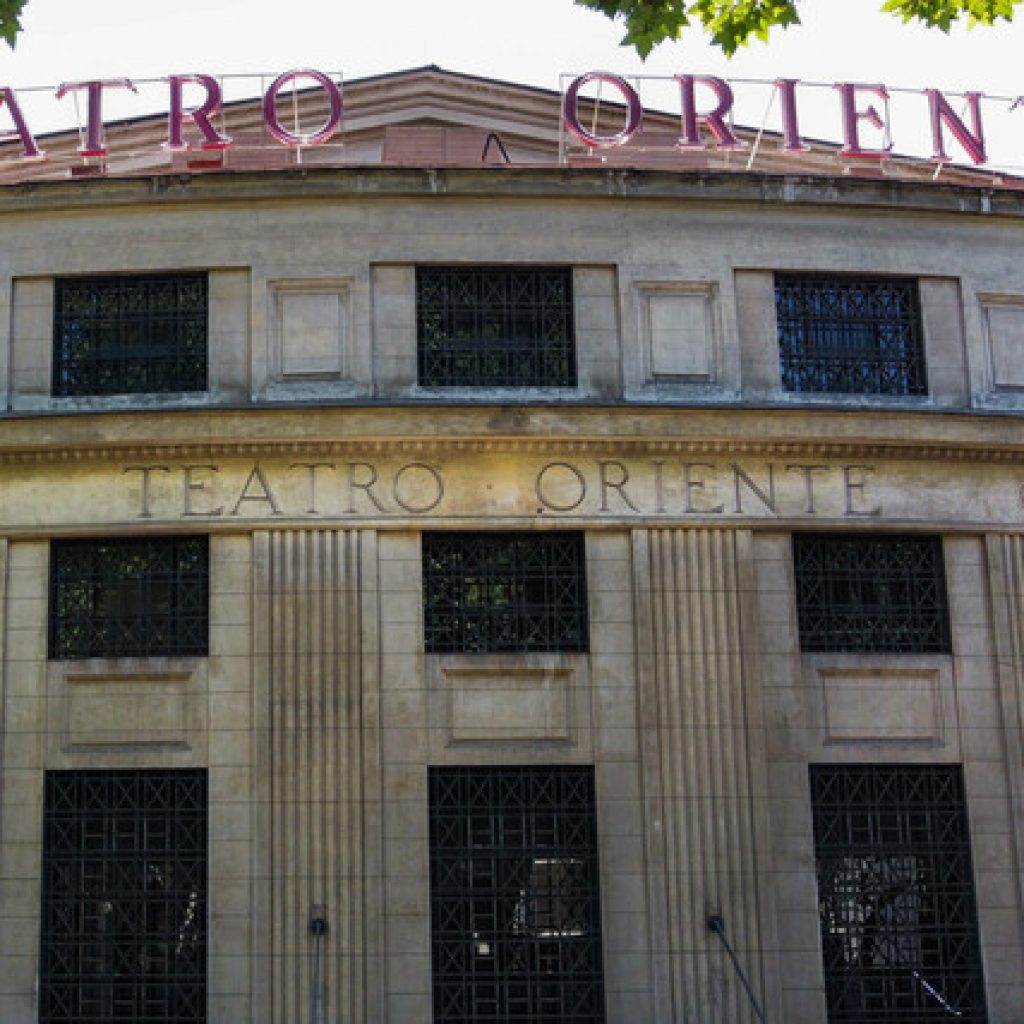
{"x": 129, "y": 598}
{"x": 871, "y": 593}
{"x": 495, "y": 327}
{"x": 853, "y": 335}
{"x": 514, "y": 904}
{"x": 899, "y": 930}
{"x": 495, "y": 592}
{"x": 124, "y": 897}
{"x": 121, "y": 335}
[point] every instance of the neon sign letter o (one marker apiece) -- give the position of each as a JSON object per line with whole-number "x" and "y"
{"x": 571, "y": 113}
{"x": 278, "y": 130}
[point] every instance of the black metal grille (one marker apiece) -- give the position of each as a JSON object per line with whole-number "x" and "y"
{"x": 871, "y": 593}
{"x": 124, "y": 898}
{"x": 129, "y": 598}
{"x": 855, "y": 335}
{"x": 126, "y": 335}
{"x": 899, "y": 928}
{"x": 495, "y": 327}
{"x": 504, "y": 592}
{"x": 515, "y": 913}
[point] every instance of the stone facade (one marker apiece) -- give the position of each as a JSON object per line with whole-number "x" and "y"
{"x": 314, "y": 461}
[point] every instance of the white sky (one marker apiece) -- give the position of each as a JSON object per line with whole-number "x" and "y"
{"x": 528, "y": 41}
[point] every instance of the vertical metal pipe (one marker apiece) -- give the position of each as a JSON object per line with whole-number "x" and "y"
{"x": 318, "y": 926}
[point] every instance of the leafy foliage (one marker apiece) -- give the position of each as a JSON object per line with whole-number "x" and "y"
{"x": 733, "y": 23}
{"x": 10, "y": 20}
{"x": 942, "y": 13}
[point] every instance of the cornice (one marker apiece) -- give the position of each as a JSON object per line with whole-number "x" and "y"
{"x": 438, "y": 432}
{"x": 508, "y": 183}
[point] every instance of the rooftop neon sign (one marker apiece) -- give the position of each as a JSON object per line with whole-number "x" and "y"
{"x": 704, "y": 105}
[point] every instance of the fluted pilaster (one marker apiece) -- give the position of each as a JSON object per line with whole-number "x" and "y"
{"x": 699, "y": 758}
{"x": 315, "y": 737}
{"x": 1006, "y": 581}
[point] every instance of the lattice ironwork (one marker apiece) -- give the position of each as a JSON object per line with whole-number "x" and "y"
{"x": 504, "y": 592}
{"x": 495, "y": 327}
{"x": 899, "y": 927}
{"x": 130, "y": 334}
{"x": 515, "y": 909}
{"x": 871, "y": 593}
{"x": 129, "y": 598}
{"x": 124, "y": 934}
{"x": 850, "y": 335}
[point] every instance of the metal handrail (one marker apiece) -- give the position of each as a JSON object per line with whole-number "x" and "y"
{"x": 717, "y": 925}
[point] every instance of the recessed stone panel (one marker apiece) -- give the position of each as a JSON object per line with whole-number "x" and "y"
{"x": 881, "y": 703}
{"x": 677, "y": 328}
{"x": 311, "y": 331}
{"x": 509, "y": 703}
{"x": 127, "y": 710}
{"x": 1004, "y": 318}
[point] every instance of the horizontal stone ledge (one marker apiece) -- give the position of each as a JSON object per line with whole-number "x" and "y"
{"x": 612, "y": 431}
{"x": 556, "y": 183}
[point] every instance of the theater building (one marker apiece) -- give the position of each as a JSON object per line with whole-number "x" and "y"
{"x": 450, "y": 576}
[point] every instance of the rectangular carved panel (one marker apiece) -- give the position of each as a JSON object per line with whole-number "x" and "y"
{"x": 509, "y": 703}
{"x": 882, "y": 703}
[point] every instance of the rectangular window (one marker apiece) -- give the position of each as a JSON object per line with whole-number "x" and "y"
{"x": 515, "y": 910}
{"x": 129, "y": 598}
{"x": 899, "y": 930}
{"x": 495, "y": 327}
{"x": 864, "y": 593}
{"x": 124, "y": 897}
{"x": 850, "y": 335}
{"x": 121, "y": 335}
{"x": 495, "y": 592}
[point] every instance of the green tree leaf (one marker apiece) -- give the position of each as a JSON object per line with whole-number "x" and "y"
{"x": 10, "y": 20}
{"x": 731, "y": 24}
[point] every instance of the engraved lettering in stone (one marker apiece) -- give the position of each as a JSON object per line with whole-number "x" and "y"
{"x": 312, "y": 467}
{"x": 766, "y": 498}
{"x": 193, "y": 486}
{"x": 355, "y": 470}
{"x": 696, "y": 486}
{"x": 808, "y": 470}
{"x": 419, "y": 497}
{"x": 145, "y": 513}
{"x": 619, "y": 485}
{"x": 854, "y": 484}
{"x": 659, "y": 486}
{"x": 261, "y": 492}
{"x": 560, "y": 487}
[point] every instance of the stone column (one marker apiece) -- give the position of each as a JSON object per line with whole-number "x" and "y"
{"x": 1006, "y": 581}
{"x": 319, "y": 794}
{"x": 703, "y": 769}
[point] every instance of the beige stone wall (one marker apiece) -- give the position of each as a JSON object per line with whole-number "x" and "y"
{"x": 317, "y": 712}
{"x": 314, "y": 301}
{"x": 130, "y": 713}
{"x": 941, "y": 709}
{"x": 450, "y": 710}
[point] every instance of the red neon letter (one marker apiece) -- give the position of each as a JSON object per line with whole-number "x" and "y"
{"x": 212, "y": 139}
{"x": 791, "y": 141}
{"x": 322, "y": 134}
{"x": 851, "y": 115}
{"x": 942, "y": 113}
{"x": 29, "y": 149}
{"x": 571, "y": 110}
{"x": 94, "y": 119}
{"x": 713, "y": 119}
